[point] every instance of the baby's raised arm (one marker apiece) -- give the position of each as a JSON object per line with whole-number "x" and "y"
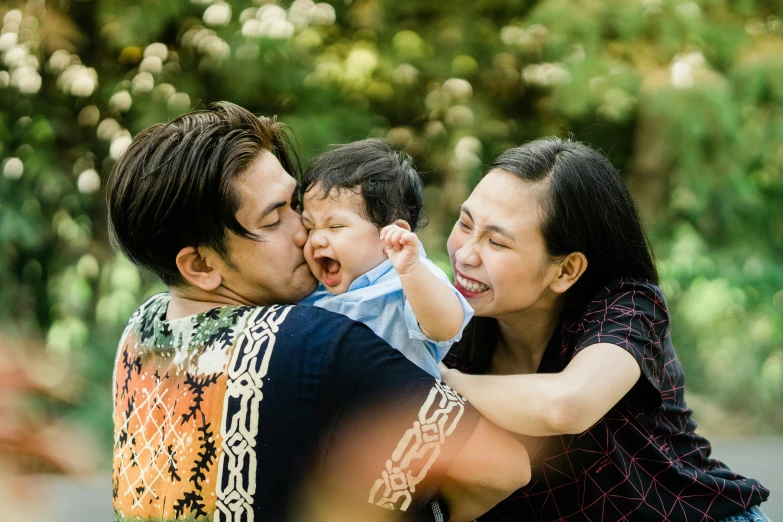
{"x": 435, "y": 305}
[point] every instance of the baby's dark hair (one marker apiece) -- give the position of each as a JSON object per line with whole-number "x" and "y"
{"x": 383, "y": 176}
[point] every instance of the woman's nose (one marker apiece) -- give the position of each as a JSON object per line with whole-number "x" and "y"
{"x": 468, "y": 254}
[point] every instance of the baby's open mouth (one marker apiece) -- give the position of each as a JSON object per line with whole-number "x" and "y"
{"x": 331, "y": 270}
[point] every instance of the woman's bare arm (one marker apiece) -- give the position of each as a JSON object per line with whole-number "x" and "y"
{"x": 571, "y": 401}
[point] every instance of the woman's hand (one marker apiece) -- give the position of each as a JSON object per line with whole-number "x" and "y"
{"x": 448, "y": 375}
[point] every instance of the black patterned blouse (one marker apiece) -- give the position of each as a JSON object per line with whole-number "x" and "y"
{"x": 643, "y": 459}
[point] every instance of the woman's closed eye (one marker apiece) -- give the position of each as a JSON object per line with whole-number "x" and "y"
{"x": 464, "y": 226}
{"x": 496, "y": 244}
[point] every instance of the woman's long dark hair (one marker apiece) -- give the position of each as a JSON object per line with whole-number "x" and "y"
{"x": 586, "y": 208}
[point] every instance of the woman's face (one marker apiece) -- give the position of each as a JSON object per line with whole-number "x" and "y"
{"x": 496, "y": 248}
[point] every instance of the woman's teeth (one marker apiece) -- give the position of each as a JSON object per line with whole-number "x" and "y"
{"x": 471, "y": 286}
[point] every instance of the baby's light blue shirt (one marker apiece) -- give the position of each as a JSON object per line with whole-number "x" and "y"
{"x": 376, "y": 299}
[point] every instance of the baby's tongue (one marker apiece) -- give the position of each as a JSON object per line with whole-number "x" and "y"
{"x": 331, "y": 272}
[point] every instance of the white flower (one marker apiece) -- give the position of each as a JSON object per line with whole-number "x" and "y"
{"x": 158, "y": 50}
{"x": 15, "y": 56}
{"x": 405, "y": 74}
{"x": 13, "y": 168}
{"x": 276, "y": 28}
{"x": 681, "y": 72}
{"x": 142, "y": 83}
{"x": 271, "y": 11}
{"x": 460, "y": 90}
{"x": 163, "y": 92}
{"x": 179, "y": 102}
{"x": 247, "y": 14}
{"x": 59, "y": 61}
{"x": 7, "y": 41}
{"x": 14, "y": 16}
{"x": 121, "y": 101}
{"x": 322, "y": 14}
{"x": 5, "y": 79}
{"x": 107, "y": 129}
{"x": 252, "y": 28}
{"x": 26, "y": 79}
{"x": 546, "y": 74}
{"x": 218, "y": 15}
{"x": 151, "y": 64}
{"x": 89, "y": 116}
{"x": 88, "y": 181}
{"x": 83, "y": 86}
{"x": 467, "y": 152}
{"x": 119, "y": 143}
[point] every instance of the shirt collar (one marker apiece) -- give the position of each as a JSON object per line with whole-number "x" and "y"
{"x": 371, "y": 276}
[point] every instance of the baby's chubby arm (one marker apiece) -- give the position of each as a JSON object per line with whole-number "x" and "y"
{"x": 436, "y": 307}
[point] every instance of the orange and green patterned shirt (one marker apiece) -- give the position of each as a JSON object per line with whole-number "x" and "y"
{"x": 225, "y": 415}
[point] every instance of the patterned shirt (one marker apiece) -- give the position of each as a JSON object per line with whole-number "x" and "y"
{"x": 643, "y": 459}
{"x": 377, "y": 300}
{"x": 225, "y": 415}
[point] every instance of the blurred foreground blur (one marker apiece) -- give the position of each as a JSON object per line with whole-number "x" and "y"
{"x": 34, "y": 442}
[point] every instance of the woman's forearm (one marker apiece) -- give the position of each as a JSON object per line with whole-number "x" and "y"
{"x": 526, "y": 404}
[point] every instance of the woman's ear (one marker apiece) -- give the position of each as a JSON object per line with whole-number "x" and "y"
{"x": 197, "y": 270}
{"x": 570, "y": 270}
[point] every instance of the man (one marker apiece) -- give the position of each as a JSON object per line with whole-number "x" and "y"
{"x": 230, "y": 405}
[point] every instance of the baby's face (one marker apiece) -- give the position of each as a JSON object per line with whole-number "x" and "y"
{"x": 341, "y": 245}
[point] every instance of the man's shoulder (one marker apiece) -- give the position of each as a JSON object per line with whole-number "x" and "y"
{"x": 309, "y": 324}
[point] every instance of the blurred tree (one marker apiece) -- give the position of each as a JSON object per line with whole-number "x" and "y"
{"x": 684, "y": 96}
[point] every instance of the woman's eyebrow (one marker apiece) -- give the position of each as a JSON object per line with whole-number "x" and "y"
{"x": 492, "y": 228}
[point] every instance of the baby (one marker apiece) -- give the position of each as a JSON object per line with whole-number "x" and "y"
{"x": 361, "y": 208}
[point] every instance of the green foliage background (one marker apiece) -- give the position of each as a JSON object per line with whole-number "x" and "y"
{"x": 685, "y": 97}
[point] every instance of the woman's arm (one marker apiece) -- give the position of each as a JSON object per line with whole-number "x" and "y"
{"x": 571, "y": 401}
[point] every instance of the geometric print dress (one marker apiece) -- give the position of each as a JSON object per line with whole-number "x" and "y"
{"x": 643, "y": 460}
{"x": 224, "y": 415}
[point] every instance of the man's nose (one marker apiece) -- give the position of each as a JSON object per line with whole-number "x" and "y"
{"x": 300, "y": 233}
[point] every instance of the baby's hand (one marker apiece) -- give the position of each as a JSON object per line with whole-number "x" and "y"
{"x": 402, "y": 246}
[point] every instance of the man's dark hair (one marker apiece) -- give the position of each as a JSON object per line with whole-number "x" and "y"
{"x": 385, "y": 178}
{"x": 586, "y": 208}
{"x": 174, "y": 186}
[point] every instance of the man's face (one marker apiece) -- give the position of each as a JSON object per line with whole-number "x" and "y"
{"x": 272, "y": 270}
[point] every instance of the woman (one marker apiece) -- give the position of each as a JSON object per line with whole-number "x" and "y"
{"x": 571, "y": 345}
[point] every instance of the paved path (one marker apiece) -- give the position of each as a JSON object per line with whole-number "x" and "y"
{"x": 89, "y": 500}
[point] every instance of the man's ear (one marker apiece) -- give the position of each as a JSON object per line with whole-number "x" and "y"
{"x": 197, "y": 270}
{"x": 403, "y": 224}
{"x": 570, "y": 270}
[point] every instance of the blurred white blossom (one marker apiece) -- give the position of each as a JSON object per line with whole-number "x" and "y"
{"x": 151, "y": 64}
{"x": 179, "y": 102}
{"x": 119, "y": 143}
{"x": 217, "y": 15}
{"x": 684, "y": 67}
{"x": 142, "y": 83}
{"x": 13, "y": 168}
{"x": 107, "y": 129}
{"x": 88, "y": 181}
{"x": 158, "y": 50}
{"x": 121, "y": 101}
{"x": 546, "y": 74}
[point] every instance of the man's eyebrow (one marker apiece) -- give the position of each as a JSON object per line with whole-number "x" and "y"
{"x": 492, "y": 228}
{"x": 271, "y": 208}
